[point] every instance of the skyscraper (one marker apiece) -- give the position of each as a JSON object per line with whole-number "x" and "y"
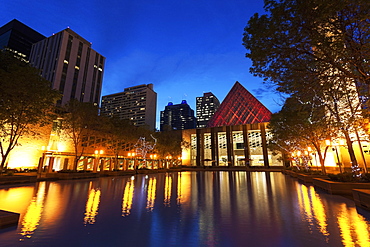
{"x": 67, "y": 60}
{"x": 206, "y": 107}
{"x": 137, "y": 103}
{"x": 177, "y": 117}
{"x": 19, "y": 38}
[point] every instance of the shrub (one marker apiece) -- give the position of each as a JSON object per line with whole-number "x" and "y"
{"x": 343, "y": 177}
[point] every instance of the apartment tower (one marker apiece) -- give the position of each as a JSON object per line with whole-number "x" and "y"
{"x": 74, "y": 68}
{"x": 137, "y": 103}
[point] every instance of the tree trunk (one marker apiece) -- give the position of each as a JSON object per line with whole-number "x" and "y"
{"x": 351, "y": 152}
{"x": 321, "y": 157}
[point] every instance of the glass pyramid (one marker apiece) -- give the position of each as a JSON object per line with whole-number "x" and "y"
{"x": 239, "y": 107}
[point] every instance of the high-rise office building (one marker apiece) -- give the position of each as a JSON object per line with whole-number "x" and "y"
{"x": 206, "y": 107}
{"x": 137, "y": 103}
{"x": 19, "y": 38}
{"x": 177, "y": 117}
{"x": 67, "y": 60}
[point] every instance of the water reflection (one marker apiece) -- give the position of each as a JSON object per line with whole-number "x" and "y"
{"x": 188, "y": 209}
{"x": 167, "y": 190}
{"x": 312, "y": 209}
{"x": 354, "y": 229}
{"x": 152, "y": 190}
{"x": 128, "y": 195}
{"x": 92, "y": 206}
{"x": 33, "y": 213}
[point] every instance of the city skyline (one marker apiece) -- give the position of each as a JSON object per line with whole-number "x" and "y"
{"x": 185, "y": 49}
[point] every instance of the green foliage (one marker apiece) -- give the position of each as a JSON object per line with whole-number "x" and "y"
{"x": 315, "y": 48}
{"x": 169, "y": 143}
{"x": 297, "y": 126}
{"x": 10, "y": 173}
{"x": 26, "y": 102}
{"x": 80, "y": 120}
{"x": 297, "y": 41}
{"x": 343, "y": 177}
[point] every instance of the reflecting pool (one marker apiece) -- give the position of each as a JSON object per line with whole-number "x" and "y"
{"x": 182, "y": 209}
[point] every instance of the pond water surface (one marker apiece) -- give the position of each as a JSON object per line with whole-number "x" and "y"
{"x": 182, "y": 209}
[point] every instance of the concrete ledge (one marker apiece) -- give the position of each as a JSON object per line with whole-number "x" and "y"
{"x": 16, "y": 179}
{"x": 8, "y": 218}
{"x": 67, "y": 175}
{"x": 117, "y": 173}
{"x": 308, "y": 178}
{"x": 362, "y": 198}
{"x": 338, "y": 188}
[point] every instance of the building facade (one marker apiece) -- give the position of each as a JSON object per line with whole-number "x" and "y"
{"x": 239, "y": 145}
{"x": 206, "y": 106}
{"x": 137, "y": 103}
{"x": 177, "y": 117}
{"x": 236, "y": 134}
{"x": 19, "y": 38}
{"x": 74, "y": 68}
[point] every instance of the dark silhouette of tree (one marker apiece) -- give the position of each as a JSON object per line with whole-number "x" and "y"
{"x": 319, "y": 47}
{"x": 169, "y": 143}
{"x": 297, "y": 40}
{"x": 119, "y": 134}
{"x": 26, "y": 102}
{"x": 80, "y": 121}
{"x": 299, "y": 125}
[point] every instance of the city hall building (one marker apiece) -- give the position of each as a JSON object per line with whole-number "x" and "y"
{"x": 236, "y": 135}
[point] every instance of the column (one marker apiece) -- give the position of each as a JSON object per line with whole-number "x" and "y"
{"x": 246, "y": 145}
{"x": 51, "y": 164}
{"x": 214, "y": 147}
{"x": 229, "y": 146}
{"x": 200, "y": 148}
{"x": 264, "y": 145}
{"x": 96, "y": 164}
{"x": 102, "y": 163}
{"x": 40, "y": 165}
{"x": 84, "y": 162}
{"x": 124, "y": 165}
{"x": 110, "y": 164}
{"x": 65, "y": 163}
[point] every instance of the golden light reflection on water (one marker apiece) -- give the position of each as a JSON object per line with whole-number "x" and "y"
{"x": 128, "y": 195}
{"x": 314, "y": 210}
{"x": 152, "y": 187}
{"x": 167, "y": 190}
{"x": 353, "y": 227}
{"x": 304, "y": 203}
{"x": 183, "y": 187}
{"x": 33, "y": 214}
{"x": 92, "y": 206}
{"x": 319, "y": 211}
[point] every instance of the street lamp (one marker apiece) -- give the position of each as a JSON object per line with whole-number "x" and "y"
{"x": 98, "y": 153}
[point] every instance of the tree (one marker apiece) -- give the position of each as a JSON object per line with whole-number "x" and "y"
{"x": 315, "y": 46}
{"x": 79, "y": 121}
{"x": 120, "y": 135}
{"x": 300, "y": 125}
{"x": 26, "y": 102}
{"x": 301, "y": 39}
{"x": 169, "y": 143}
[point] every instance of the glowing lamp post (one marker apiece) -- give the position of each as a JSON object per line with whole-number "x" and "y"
{"x": 98, "y": 153}
{"x": 132, "y": 155}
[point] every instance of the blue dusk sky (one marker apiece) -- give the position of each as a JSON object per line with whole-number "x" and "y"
{"x": 185, "y": 48}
